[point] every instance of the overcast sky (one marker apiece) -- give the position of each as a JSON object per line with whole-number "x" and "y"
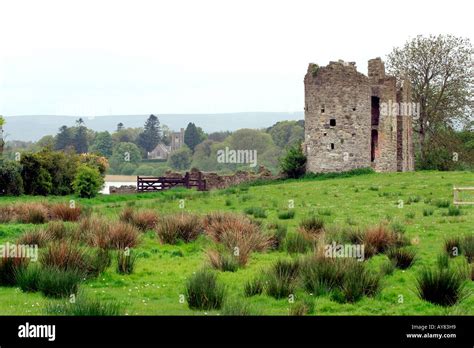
{"x": 139, "y": 57}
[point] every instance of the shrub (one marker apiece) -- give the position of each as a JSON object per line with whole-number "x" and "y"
{"x": 402, "y": 258}
{"x": 27, "y": 278}
{"x": 56, "y": 283}
{"x": 286, "y": 214}
{"x": 297, "y": 243}
{"x": 222, "y": 260}
{"x": 87, "y": 182}
{"x": 203, "y": 291}
{"x": 11, "y": 182}
{"x": 9, "y": 266}
{"x": 236, "y": 308}
{"x": 293, "y": 163}
{"x": 282, "y": 277}
{"x": 254, "y": 287}
{"x": 444, "y": 287}
{"x": 65, "y": 212}
{"x": 126, "y": 261}
{"x": 185, "y": 227}
{"x": 452, "y": 246}
{"x": 84, "y": 306}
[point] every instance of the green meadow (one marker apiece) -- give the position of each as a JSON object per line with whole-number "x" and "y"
{"x": 157, "y": 284}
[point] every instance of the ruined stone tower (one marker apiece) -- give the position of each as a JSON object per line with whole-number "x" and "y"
{"x": 353, "y": 121}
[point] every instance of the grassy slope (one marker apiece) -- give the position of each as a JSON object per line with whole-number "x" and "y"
{"x": 159, "y": 278}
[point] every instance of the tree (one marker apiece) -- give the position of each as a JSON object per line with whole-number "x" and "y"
{"x": 64, "y": 138}
{"x": 87, "y": 182}
{"x": 2, "y": 142}
{"x": 119, "y": 126}
{"x": 47, "y": 142}
{"x": 102, "y": 144}
{"x": 124, "y": 153}
{"x": 286, "y": 133}
{"x": 11, "y": 182}
{"x": 191, "y": 136}
{"x": 440, "y": 69}
{"x": 180, "y": 159}
{"x": 150, "y": 137}
{"x": 293, "y": 164}
{"x": 80, "y": 137}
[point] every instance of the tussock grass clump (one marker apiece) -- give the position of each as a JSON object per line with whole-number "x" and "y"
{"x": 286, "y": 214}
{"x": 7, "y": 213}
{"x": 31, "y": 213}
{"x": 398, "y": 227}
{"x": 56, "y": 283}
{"x": 120, "y": 235}
{"x": 428, "y": 211}
{"x": 237, "y": 234}
{"x": 320, "y": 275}
{"x": 126, "y": 261}
{"x": 452, "y": 246}
{"x": 302, "y": 307}
{"x": 467, "y": 247}
{"x": 442, "y": 261}
{"x": 444, "y": 287}
{"x": 441, "y": 203}
{"x": 278, "y": 236}
{"x": 236, "y": 308}
{"x": 58, "y": 230}
{"x": 311, "y": 226}
{"x": 222, "y": 260}
{"x": 84, "y": 306}
{"x": 379, "y": 239}
{"x": 144, "y": 220}
{"x": 65, "y": 212}
{"x": 257, "y": 212}
{"x": 281, "y": 278}
{"x": 9, "y": 266}
{"x": 358, "y": 282}
{"x": 66, "y": 256}
{"x": 27, "y": 278}
{"x": 37, "y": 237}
{"x": 402, "y": 258}
{"x": 454, "y": 211}
{"x": 254, "y": 286}
{"x": 387, "y": 268}
{"x": 297, "y": 243}
{"x": 173, "y": 228}
{"x": 203, "y": 291}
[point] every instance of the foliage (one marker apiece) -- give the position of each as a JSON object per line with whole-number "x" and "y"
{"x": 150, "y": 137}
{"x": 293, "y": 163}
{"x": 203, "y": 291}
{"x": 180, "y": 159}
{"x": 88, "y": 182}
{"x": 444, "y": 287}
{"x": 11, "y": 182}
{"x": 102, "y": 144}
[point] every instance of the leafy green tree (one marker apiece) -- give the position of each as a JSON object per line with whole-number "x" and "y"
{"x": 286, "y": 133}
{"x": 102, "y": 144}
{"x": 36, "y": 179}
{"x": 122, "y": 154}
{"x": 440, "y": 69}
{"x": 251, "y": 139}
{"x": 62, "y": 167}
{"x": 88, "y": 182}
{"x": 47, "y": 141}
{"x": 11, "y": 182}
{"x": 180, "y": 159}
{"x": 80, "y": 137}
{"x": 64, "y": 138}
{"x": 150, "y": 137}
{"x": 192, "y": 137}
{"x": 293, "y": 163}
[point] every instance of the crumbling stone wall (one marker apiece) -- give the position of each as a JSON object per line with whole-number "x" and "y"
{"x": 344, "y": 126}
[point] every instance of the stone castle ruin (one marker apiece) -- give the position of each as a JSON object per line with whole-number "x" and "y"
{"x": 354, "y": 121}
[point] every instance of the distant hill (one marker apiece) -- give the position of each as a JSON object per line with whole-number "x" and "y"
{"x": 32, "y": 128}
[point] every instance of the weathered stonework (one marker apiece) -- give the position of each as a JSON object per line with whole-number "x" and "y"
{"x": 344, "y": 128}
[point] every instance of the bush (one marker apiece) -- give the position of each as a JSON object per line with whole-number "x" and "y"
{"x": 402, "y": 258}
{"x": 185, "y": 227}
{"x": 203, "y": 291}
{"x": 65, "y": 212}
{"x": 286, "y": 214}
{"x": 444, "y": 287}
{"x": 57, "y": 283}
{"x": 282, "y": 277}
{"x": 11, "y": 182}
{"x": 254, "y": 287}
{"x": 84, "y": 306}
{"x": 126, "y": 261}
{"x": 9, "y": 266}
{"x": 293, "y": 163}
{"x": 87, "y": 182}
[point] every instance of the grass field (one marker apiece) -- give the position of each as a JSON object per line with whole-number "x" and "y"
{"x": 158, "y": 282}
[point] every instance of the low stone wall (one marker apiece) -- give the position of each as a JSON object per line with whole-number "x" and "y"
{"x": 213, "y": 180}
